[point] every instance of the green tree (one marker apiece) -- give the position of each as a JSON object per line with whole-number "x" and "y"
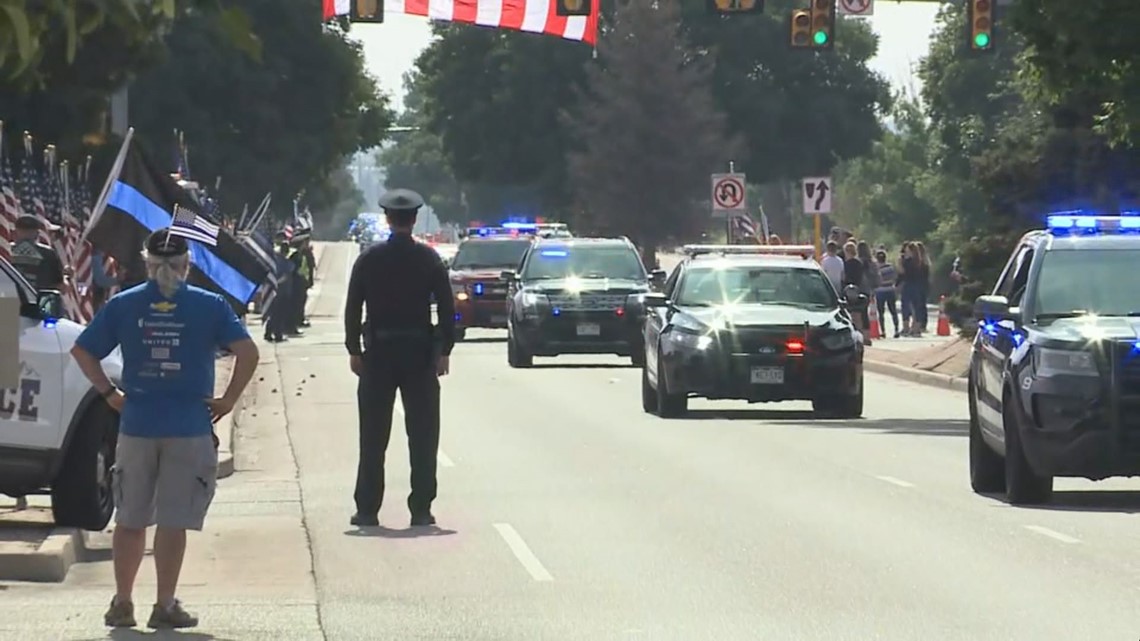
{"x": 334, "y": 202}
{"x": 1088, "y": 48}
{"x": 415, "y": 159}
{"x": 648, "y": 131}
{"x": 280, "y": 124}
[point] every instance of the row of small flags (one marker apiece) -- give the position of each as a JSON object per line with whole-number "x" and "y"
{"x": 743, "y": 226}
{"x": 60, "y": 197}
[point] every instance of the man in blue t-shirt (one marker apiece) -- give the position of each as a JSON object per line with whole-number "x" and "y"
{"x": 166, "y": 462}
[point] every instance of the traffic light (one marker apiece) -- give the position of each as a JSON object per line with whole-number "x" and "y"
{"x": 822, "y": 24}
{"x": 573, "y": 7}
{"x": 367, "y": 11}
{"x": 980, "y": 24}
{"x": 801, "y": 28}
{"x": 735, "y": 6}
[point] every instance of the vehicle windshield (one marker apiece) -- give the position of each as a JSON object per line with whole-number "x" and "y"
{"x": 1092, "y": 282}
{"x": 751, "y": 285}
{"x": 477, "y": 254}
{"x": 584, "y": 261}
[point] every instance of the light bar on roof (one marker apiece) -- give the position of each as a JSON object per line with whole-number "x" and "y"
{"x": 1076, "y": 223}
{"x": 520, "y": 226}
{"x": 805, "y": 251}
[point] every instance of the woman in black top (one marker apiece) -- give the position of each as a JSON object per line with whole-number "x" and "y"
{"x": 854, "y": 273}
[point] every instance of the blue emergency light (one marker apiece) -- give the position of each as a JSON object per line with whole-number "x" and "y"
{"x": 510, "y": 224}
{"x": 1075, "y": 223}
{"x": 555, "y": 253}
{"x": 478, "y": 289}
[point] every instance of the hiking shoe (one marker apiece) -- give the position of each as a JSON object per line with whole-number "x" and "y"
{"x": 121, "y": 614}
{"x": 172, "y": 617}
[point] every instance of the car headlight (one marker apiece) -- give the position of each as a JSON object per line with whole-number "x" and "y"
{"x": 1064, "y": 362}
{"x": 531, "y": 299}
{"x": 687, "y": 333}
{"x": 838, "y": 342}
{"x": 458, "y": 288}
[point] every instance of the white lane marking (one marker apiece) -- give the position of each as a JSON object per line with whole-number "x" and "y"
{"x": 349, "y": 261}
{"x": 1053, "y": 534}
{"x": 893, "y": 481}
{"x": 523, "y": 553}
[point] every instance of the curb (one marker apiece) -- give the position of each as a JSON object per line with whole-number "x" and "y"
{"x": 921, "y": 376}
{"x": 51, "y": 560}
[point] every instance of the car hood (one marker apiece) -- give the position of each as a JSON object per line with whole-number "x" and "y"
{"x": 586, "y": 286}
{"x": 1086, "y": 328}
{"x": 765, "y": 316}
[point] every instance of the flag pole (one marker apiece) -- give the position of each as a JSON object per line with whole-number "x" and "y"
{"x": 116, "y": 169}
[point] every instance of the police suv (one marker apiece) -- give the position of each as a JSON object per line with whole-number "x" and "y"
{"x": 576, "y": 296}
{"x": 1054, "y": 380}
{"x": 56, "y": 433}
{"x": 755, "y": 323}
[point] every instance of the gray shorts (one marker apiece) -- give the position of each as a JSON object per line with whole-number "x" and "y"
{"x": 169, "y": 482}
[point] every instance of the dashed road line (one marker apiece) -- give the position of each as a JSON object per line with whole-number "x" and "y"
{"x": 893, "y": 481}
{"x": 1053, "y": 534}
{"x": 523, "y": 553}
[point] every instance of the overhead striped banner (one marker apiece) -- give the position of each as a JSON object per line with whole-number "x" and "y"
{"x": 533, "y": 16}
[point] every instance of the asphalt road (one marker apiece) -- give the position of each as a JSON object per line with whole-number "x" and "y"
{"x": 566, "y": 513}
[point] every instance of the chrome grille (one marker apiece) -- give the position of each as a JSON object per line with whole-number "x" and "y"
{"x": 588, "y": 302}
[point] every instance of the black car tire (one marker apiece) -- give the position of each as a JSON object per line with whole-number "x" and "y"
{"x": 516, "y": 356}
{"x": 82, "y": 495}
{"x": 1023, "y": 486}
{"x": 648, "y": 395}
{"x": 850, "y": 406}
{"x": 987, "y": 469}
{"x": 460, "y": 334}
{"x": 669, "y": 405}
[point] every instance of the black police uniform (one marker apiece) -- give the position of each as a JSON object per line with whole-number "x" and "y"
{"x": 397, "y": 281}
{"x": 39, "y": 263}
{"x": 276, "y": 316}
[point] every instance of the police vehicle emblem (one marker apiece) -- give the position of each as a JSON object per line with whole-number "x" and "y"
{"x": 766, "y": 350}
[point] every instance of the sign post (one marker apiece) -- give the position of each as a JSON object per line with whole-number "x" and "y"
{"x": 817, "y": 195}
{"x": 728, "y": 197}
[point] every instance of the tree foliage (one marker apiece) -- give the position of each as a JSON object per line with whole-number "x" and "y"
{"x": 647, "y": 130}
{"x": 279, "y": 124}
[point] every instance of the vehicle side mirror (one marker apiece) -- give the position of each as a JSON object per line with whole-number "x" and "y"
{"x": 658, "y": 276}
{"x": 508, "y": 275}
{"x": 50, "y": 304}
{"x": 654, "y": 300}
{"x": 995, "y": 308}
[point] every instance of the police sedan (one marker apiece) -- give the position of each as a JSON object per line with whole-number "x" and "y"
{"x": 755, "y": 323}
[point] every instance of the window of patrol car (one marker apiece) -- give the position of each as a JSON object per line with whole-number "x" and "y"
{"x": 8, "y": 286}
{"x": 751, "y": 285}
{"x": 1095, "y": 282}
{"x": 584, "y": 261}
{"x": 489, "y": 253}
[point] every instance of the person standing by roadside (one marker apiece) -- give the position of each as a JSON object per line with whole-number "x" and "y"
{"x": 908, "y": 281}
{"x": 854, "y": 280}
{"x": 276, "y": 315}
{"x": 832, "y": 265}
{"x": 166, "y": 461}
{"x": 922, "y": 292}
{"x": 885, "y": 298}
{"x": 870, "y": 282}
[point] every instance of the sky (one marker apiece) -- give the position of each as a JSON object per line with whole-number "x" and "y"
{"x": 390, "y": 49}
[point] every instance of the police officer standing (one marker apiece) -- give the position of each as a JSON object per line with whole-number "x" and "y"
{"x": 39, "y": 263}
{"x": 397, "y": 281}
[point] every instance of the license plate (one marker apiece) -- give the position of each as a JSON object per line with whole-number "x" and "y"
{"x": 498, "y": 319}
{"x": 589, "y": 329}
{"x": 767, "y": 376}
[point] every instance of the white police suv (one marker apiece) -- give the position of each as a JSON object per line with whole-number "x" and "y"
{"x": 56, "y": 433}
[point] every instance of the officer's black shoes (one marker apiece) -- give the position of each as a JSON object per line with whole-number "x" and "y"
{"x": 363, "y": 520}
{"x": 423, "y": 518}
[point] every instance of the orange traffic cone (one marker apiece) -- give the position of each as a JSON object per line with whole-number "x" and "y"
{"x": 873, "y": 321}
{"x": 943, "y": 320}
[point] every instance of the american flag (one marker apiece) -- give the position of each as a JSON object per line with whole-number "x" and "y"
{"x": 534, "y": 16}
{"x": 9, "y": 208}
{"x": 189, "y": 224}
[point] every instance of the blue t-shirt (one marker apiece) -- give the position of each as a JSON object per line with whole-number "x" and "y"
{"x": 169, "y": 348}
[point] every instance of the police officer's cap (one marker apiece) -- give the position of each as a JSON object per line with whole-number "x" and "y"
{"x": 29, "y": 222}
{"x": 401, "y": 200}
{"x": 164, "y": 244}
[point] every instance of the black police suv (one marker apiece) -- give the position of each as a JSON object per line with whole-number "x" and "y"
{"x": 1054, "y": 380}
{"x": 576, "y": 296}
{"x": 751, "y": 323}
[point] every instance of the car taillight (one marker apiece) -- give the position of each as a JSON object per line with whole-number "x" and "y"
{"x": 620, "y": 311}
{"x": 794, "y": 346}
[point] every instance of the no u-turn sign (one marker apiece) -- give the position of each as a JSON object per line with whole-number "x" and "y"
{"x": 856, "y": 7}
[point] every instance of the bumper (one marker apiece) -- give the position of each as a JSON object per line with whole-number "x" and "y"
{"x": 1072, "y": 427}
{"x": 24, "y": 471}
{"x": 491, "y": 314}
{"x": 580, "y": 333}
{"x": 762, "y": 378}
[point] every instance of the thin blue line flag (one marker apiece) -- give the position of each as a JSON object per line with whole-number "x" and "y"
{"x": 142, "y": 199}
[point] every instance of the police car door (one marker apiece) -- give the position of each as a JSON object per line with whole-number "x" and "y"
{"x": 30, "y": 413}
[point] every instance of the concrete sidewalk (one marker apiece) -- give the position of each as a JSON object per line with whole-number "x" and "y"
{"x": 941, "y": 361}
